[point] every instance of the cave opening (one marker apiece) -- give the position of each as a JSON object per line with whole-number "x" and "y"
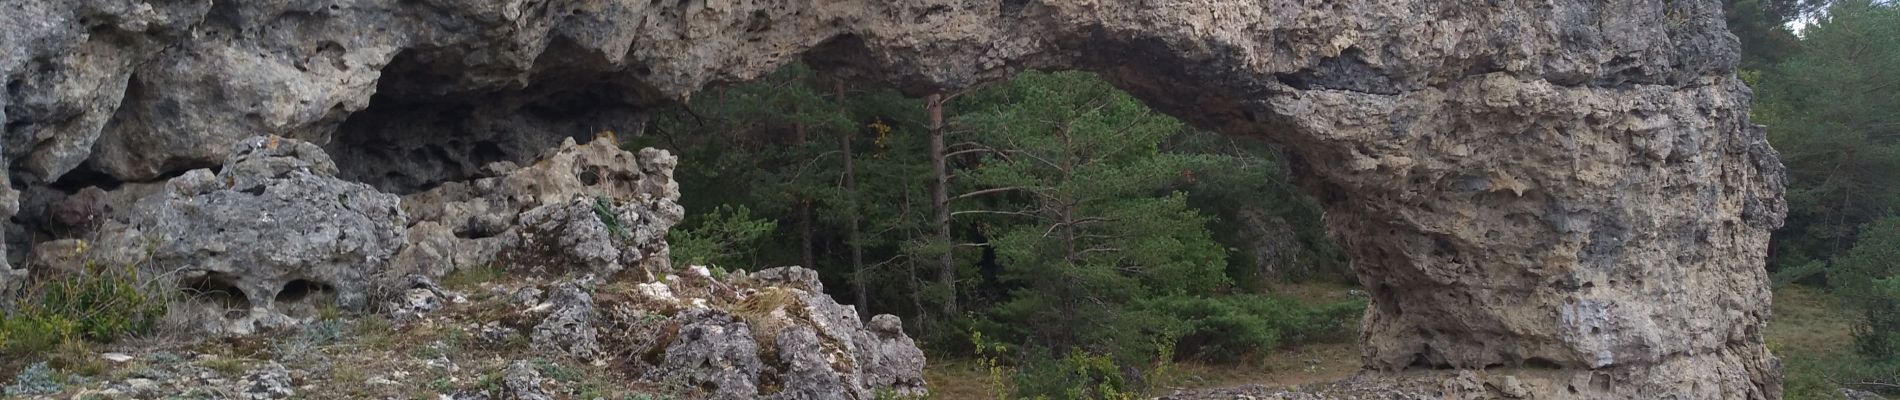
{"x": 417, "y": 133}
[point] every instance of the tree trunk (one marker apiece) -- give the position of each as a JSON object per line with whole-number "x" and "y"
{"x": 804, "y": 211}
{"x": 858, "y": 284}
{"x": 940, "y": 202}
{"x": 1067, "y": 204}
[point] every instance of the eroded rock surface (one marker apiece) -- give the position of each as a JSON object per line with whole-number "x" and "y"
{"x": 1567, "y": 186}
{"x": 756, "y": 336}
{"x": 271, "y": 229}
{"x": 581, "y": 207}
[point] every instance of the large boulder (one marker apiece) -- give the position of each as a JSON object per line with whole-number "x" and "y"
{"x": 273, "y": 230}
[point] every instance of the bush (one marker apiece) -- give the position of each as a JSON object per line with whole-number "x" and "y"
{"x": 1227, "y": 328}
{"x": 100, "y": 304}
{"x": 38, "y": 379}
{"x": 727, "y": 235}
{"x": 1076, "y": 376}
{"x": 1868, "y": 278}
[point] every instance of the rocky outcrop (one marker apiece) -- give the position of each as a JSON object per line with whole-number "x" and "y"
{"x": 271, "y": 229}
{"x": 756, "y": 336}
{"x": 587, "y": 207}
{"x": 1564, "y": 186}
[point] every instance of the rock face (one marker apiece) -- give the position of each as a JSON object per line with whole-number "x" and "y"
{"x": 1568, "y": 186}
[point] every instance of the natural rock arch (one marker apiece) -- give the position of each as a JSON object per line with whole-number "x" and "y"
{"x": 1563, "y": 186}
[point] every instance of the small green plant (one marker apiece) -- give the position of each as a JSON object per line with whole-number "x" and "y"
{"x": 308, "y": 339}
{"x": 557, "y": 371}
{"x": 604, "y": 209}
{"x": 989, "y": 355}
{"x": 38, "y": 379}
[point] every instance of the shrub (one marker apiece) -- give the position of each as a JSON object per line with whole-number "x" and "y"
{"x": 1077, "y": 376}
{"x": 727, "y": 235}
{"x": 1226, "y": 328}
{"x": 38, "y": 379}
{"x": 99, "y": 304}
{"x": 1868, "y": 278}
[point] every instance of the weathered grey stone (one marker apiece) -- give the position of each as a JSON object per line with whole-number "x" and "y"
{"x": 272, "y": 381}
{"x": 761, "y": 329}
{"x": 587, "y": 207}
{"x": 896, "y": 363}
{"x": 791, "y": 277}
{"x": 1571, "y": 185}
{"x": 414, "y": 297}
{"x": 523, "y": 382}
{"x": 569, "y": 327}
{"x": 273, "y": 224}
{"x": 714, "y": 350}
{"x": 1856, "y": 394}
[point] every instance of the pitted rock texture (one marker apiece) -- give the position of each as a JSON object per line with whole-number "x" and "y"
{"x": 588, "y": 207}
{"x": 569, "y": 327}
{"x": 756, "y": 336}
{"x": 273, "y": 225}
{"x": 1571, "y": 186}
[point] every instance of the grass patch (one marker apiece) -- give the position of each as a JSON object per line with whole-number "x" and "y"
{"x": 466, "y": 278}
{"x": 228, "y": 366}
{"x": 1813, "y": 333}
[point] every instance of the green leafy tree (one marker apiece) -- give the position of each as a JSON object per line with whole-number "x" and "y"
{"x": 722, "y": 238}
{"x": 1868, "y": 277}
{"x": 1076, "y": 197}
{"x": 1830, "y": 111}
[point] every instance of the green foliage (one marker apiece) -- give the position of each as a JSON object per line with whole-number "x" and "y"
{"x": 1762, "y": 26}
{"x": 1809, "y": 378}
{"x": 1073, "y": 205}
{"x": 1255, "y": 206}
{"x": 725, "y": 236}
{"x": 1828, "y": 98}
{"x": 1078, "y": 376}
{"x": 604, "y": 210}
{"x": 1868, "y": 277}
{"x": 101, "y": 304}
{"x": 1830, "y": 112}
{"x": 1227, "y": 328}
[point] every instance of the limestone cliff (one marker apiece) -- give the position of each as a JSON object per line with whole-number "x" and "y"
{"x": 1569, "y": 187}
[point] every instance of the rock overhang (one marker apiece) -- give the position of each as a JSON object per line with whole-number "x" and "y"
{"x": 1570, "y": 185}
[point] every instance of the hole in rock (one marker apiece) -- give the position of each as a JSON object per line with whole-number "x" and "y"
{"x": 301, "y": 289}
{"x": 216, "y": 290}
{"x": 1541, "y": 363}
